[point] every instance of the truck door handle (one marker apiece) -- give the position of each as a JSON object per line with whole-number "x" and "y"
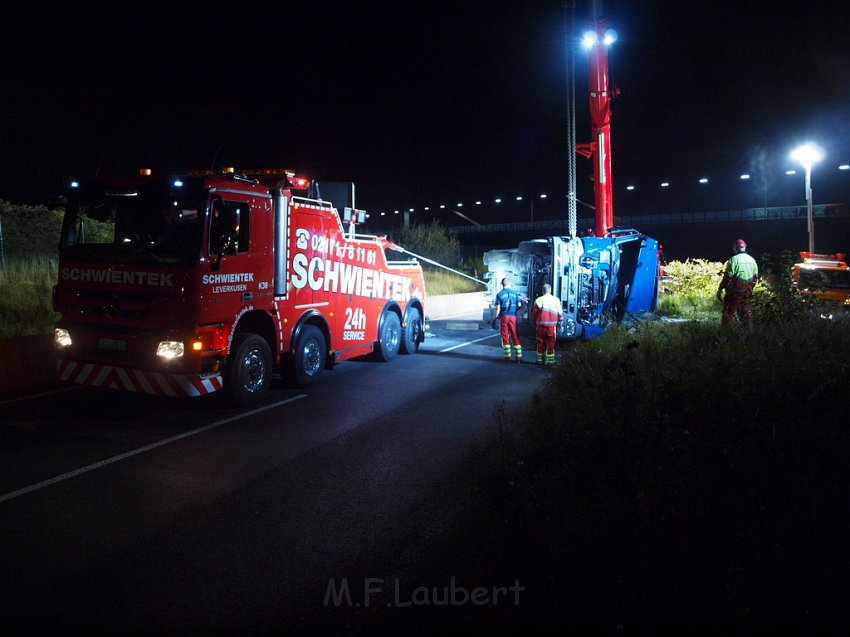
{"x": 247, "y": 296}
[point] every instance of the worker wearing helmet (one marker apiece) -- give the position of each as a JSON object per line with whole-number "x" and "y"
{"x": 739, "y": 277}
{"x": 508, "y": 302}
{"x": 547, "y": 314}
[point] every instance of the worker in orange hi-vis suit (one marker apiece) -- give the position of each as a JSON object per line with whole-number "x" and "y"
{"x": 547, "y": 313}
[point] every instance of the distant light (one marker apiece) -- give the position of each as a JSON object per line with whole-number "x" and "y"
{"x": 519, "y": 198}
{"x": 844, "y": 167}
{"x": 427, "y": 207}
{"x": 791, "y": 172}
{"x": 589, "y": 39}
{"x": 75, "y": 184}
{"x": 630, "y": 187}
{"x": 704, "y": 180}
{"x": 807, "y": 154}
{"x": 411, "y": 210}
{"x": 477, "y": 203}
{"x": 543, "y": 196}
{"x": 745, "y": 176}
{"x": 442, "y": 206}
{"x": 498, "y": 201}
{"x": 383, "y": 213}
{"x": 665, "y": 184}
{"x": 460, "y": 205}
{"x": 396, "y": 212}
{"x": 178, "y": 183}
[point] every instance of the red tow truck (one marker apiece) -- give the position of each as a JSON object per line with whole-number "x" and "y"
{"x": 187, "y": 285}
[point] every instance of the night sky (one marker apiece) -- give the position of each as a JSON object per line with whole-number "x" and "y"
{"x": 427, "y": 103}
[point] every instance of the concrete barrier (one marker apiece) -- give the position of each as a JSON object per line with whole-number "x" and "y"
{"x": 28, "y": 363}
{"x": 446, "y": 305}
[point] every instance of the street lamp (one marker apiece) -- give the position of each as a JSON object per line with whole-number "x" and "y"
{"x": 808, "y": 154}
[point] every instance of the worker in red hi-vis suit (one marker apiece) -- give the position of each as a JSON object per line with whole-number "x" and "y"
{"x": 547, "y": 313}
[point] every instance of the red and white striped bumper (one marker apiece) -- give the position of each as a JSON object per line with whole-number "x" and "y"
{"x": 137, "y": 380}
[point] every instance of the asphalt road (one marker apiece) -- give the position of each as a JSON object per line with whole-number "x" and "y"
{"x": 131, "y": 513}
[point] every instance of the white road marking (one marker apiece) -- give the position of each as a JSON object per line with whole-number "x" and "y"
{"x": 135, "y": 452}
{"x": 483, "y": 338}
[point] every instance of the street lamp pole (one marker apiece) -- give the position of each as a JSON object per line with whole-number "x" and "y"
{"x": 811, "y": 222}
{"x": 808, "y": 154}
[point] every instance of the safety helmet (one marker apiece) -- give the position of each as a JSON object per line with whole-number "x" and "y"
{"x": 739, "y": 244}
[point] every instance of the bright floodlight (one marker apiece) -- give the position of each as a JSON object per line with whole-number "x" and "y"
{"x": 807, "y": 154}
{"x": 610, "y": 37}
{"x": 589, "y": 39}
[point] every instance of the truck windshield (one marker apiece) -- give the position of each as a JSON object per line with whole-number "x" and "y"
{"x": 824, "y": 279}
{"x": 135, "y": 225}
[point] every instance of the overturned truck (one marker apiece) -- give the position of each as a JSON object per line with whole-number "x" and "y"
{"x": 600, "y": 280}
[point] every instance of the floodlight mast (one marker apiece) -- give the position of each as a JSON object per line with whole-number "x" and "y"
{"x": 596, "y": 40}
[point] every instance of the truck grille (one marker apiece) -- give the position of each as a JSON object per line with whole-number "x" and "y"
{"x": 122, "y": 306}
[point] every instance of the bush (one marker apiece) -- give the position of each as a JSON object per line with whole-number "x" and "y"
{"x": 29, "y": 230}
{"x": 431, "y": 241}
{"x": 689, "y": 290}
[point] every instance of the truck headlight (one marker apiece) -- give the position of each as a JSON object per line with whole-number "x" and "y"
{"x": 61, "y": 338}
{"x": 170, "y": 349}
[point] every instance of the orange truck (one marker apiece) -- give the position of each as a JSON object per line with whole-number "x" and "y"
{"x": 213, "y": 281}
{"x": 824, "y": 277}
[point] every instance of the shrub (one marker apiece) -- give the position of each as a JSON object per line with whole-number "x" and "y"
{"x": 29, "y": 230}
{"x": 431, "y": 241}
{"x": 689, "y": 289}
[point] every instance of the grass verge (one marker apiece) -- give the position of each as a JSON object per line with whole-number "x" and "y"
{"x": 686, "y": 475}
{"x": 439, "y": 281}
{"x": 26, "y": 292}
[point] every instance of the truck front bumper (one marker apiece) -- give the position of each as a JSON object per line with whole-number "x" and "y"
{"x": 137, "y": 380}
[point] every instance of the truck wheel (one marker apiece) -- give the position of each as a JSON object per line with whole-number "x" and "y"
{"x": 411, "y": 333}
{"x": 389, "y": 339}
{"x": 249, "y": 369}
{"x": 309, "y": 356}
